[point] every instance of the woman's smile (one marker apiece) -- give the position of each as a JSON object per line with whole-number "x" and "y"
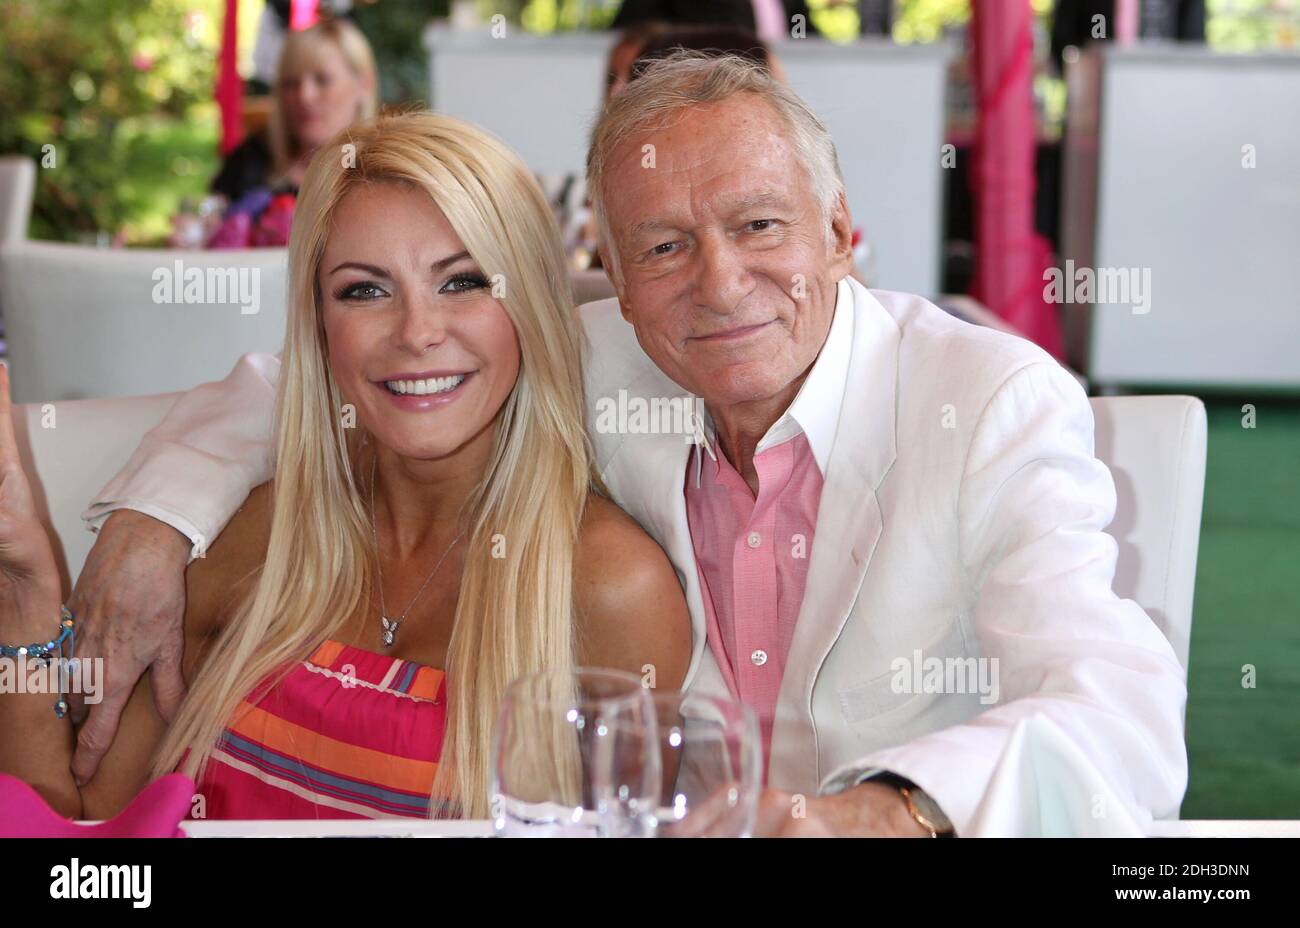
{"x": 423, "y": 392}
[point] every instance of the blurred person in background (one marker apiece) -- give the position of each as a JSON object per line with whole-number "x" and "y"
{"x": 326, "y": 80}
{"x": 719, "y": 40}
{"x": 626, "y": 50}
{"x": 771, "y": 20}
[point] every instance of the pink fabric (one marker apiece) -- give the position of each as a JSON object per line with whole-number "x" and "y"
{"x": 230, "y": 89}
{"x": 303, "y": 13}
{"x": 272, "y": 229}
{"x": 752, "y": 593}
{"x": 769, "y": 20}
{"x": 1126, "y": 21}
{"x": 235, "y": 231}
{"x": 347, "y": 733}
{"x": 155, "y": 813}
{"x": 1010, "y": 256}
{"x": 269, "y": 229}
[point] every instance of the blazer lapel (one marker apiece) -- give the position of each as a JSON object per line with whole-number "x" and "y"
{"x": 849, "y": 524}
{"x": 646, "y": 477}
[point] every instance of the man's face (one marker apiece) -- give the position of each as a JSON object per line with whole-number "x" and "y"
{"x": 728, "y": 270}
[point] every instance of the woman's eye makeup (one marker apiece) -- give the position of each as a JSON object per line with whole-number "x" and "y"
{"x": 359, "y": 291}
{"x": 464, "y": 283}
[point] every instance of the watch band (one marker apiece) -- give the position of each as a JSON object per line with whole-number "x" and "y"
{"x": 931, "y": 817}
{"x": 915, "y": 813}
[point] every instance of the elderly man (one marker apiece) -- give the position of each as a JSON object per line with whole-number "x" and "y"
{"x": 889, "y": 526}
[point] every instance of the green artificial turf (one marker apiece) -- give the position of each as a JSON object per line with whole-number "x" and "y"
{"x": 1244, "y": 743}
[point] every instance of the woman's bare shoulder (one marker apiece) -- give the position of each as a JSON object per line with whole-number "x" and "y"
{"x": 630, "y": 607}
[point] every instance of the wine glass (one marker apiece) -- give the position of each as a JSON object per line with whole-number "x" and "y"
{"x": 575, "y": 754}
{"x": 712, "y": 766}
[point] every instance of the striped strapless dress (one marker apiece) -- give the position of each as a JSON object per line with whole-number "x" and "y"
{"x": 348, "y": 733}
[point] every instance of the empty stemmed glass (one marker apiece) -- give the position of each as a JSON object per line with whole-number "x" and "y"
{"x": 576, "y": 754}
{"x": 712, "y": 766}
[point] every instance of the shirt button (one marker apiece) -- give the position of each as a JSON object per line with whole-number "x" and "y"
{"x": 754, "y": 539}
{"x": 759, "y": 657}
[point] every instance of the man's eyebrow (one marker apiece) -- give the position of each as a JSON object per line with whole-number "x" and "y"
{"x": 440, "y": 265}
{"x": 726, "y": 204}
{"x": 648, "y": 227}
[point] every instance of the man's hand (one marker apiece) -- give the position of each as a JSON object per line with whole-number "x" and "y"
{"x": 864, "y": 811}
{"x": 129, "y": 604}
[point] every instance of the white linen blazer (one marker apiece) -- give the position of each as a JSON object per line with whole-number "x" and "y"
{"x": 961, "y": 527}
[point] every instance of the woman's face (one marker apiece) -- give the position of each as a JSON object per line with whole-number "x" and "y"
{"x": 321, "y": 99}
{"x": 416, "y": 341}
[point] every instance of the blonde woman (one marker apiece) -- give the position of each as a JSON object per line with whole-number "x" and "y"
{"x": 325, "y": 81}
{"x": 433, "y": 529}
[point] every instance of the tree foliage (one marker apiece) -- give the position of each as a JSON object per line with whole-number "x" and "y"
{"x": 82, "y": 82}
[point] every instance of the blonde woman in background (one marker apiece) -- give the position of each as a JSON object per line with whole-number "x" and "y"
{"x": 432, "y": 531}
{"x": 325, "y": 81}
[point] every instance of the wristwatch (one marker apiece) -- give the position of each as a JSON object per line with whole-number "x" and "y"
{"x": 923, "y": 809}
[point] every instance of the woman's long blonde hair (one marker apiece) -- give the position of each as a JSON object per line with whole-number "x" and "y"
{"x": 515, "y": 609}
{"x": 301, "y": 49}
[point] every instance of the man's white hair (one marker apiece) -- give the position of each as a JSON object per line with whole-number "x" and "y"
{"x": 684, "y": 79}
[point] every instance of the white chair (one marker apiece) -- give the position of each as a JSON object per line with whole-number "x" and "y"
{"x": 70, "y": 451}
{"x": 1155, "y": 448}
{"x": 17, "y": 190}
{"x": 87, "y": 322}
{"x": 83, "y": 322}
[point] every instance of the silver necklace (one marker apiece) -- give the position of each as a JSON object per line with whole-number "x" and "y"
{"x": 390, "y": 626}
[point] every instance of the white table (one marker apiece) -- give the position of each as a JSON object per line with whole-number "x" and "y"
{"x": 418, "y": 828}
{"x": 1227, "y": 828}
{"x": 341, "y": 828}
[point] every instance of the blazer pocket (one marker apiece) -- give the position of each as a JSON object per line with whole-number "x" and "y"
{"x": 883, "y": 699}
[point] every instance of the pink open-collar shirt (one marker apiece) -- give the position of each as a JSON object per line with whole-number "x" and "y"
{"x": 753, "y": 553}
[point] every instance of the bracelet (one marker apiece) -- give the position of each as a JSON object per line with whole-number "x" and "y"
{"x": 54, "y": 647}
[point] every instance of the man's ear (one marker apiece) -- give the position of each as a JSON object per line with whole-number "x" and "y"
{"x": 841, "y": 239}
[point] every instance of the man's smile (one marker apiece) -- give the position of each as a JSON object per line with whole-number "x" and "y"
{"x": 734, "y": 334}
